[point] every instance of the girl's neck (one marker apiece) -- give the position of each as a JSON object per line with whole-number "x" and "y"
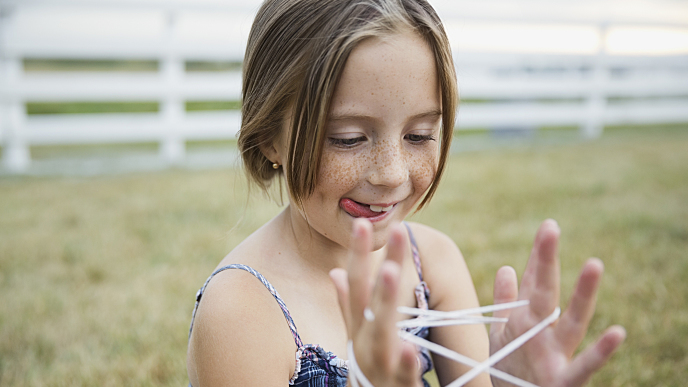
{"x": 315, "y": 251}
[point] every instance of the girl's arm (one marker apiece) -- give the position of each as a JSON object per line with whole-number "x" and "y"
{"x": 451, "y": 288}
{"x": 239, "y": 337}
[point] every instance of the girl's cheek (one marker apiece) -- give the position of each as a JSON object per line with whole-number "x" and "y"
{"x": 342, "y": 169}
{"x": 345, "y": 170}
{"x": 424, "y": 166}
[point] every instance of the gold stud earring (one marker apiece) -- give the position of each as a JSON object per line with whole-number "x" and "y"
{"x": 275, "y": 166}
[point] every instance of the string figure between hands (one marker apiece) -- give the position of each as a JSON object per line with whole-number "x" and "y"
{"x": 433, "y": 318}
{"x": 532, "y": 313}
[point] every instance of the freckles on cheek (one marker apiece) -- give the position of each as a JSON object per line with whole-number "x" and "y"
{"x": 425, "y": 168}
{"x": 340, "y": 171}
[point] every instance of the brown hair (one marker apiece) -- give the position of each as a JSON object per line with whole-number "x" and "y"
{"x": 296, "y": 52}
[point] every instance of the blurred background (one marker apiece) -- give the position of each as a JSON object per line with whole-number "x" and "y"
{"x": 164, "y": 77}
{"x": 120, "y": 192}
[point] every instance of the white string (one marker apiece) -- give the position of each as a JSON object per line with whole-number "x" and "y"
{"x": 449, "y": 354}
{"x": 462, "y": 312}
{"x": 368, "y": 314}
{"x": 430, "y": 318}
{"x": 507, "y": 349}
{"x": 422, "y": 322}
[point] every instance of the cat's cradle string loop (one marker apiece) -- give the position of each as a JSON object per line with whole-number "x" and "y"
{"x": 432, "y": 318}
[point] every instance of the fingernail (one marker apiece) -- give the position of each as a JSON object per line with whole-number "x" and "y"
{"x": 360, "y": 225}
{"x": 391, "y": 269}
{"x": 554, "y": 223}
{"x": 358, "y": 228}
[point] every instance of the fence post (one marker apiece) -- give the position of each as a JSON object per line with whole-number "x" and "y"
{"x": 15, "y": 153}
{"x": 172, "y": 146}
{"x": 16, "y": 156}
{"x": 593, "y": 125}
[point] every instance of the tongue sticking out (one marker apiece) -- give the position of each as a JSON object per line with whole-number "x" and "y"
{"x": 357, "y": 210}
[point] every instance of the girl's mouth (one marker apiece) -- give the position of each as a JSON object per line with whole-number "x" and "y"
{"x": 361, "y": 210}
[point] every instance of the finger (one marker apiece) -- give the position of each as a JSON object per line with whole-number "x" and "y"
{"x": 359, "y": 271}
{"x": 398, "y": 244}
{"x": 545, "y": 289}
{"x": 573, "y": 324}
{"x": 594, "y": 357}
{"x": 341, "y": 283}
{"x": 409, "y": 365}
{"x": 383, "y": 304}
{"x": 397, "y": 247}
{"x": 384, "y": 301}
{"x": 528, "y": 278}
{"x": 505, "y": 290}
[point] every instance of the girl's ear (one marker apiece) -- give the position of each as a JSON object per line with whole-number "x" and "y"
{"x": 276, "y": 149}
{"x": 271, "y": 151}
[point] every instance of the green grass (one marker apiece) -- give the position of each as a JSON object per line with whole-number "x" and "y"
{"x": 98, "y": 275}
{"x": 77, "y": 107}
{"x": 46, "y": 152}
{"x": 212, "y": 105}
{"x": 93, "y": 65}
{"x": 84, "y": 107}
{"x": 108, "y": 65}
{"x": 208, "y": 66}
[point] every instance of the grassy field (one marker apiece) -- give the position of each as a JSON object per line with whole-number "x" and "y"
{"x": 98, "y": 275}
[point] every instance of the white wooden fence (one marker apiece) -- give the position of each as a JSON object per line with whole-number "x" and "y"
{"x": 518, "y": 90}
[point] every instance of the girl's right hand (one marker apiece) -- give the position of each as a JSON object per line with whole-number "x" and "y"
{"x": 381, "y": 355}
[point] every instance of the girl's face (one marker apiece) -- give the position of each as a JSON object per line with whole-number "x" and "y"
{"x": 381, "y": 148}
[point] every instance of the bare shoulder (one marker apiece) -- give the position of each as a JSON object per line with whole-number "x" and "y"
{"x": 434, "y": 243}
{"x": 444, "y": 267}
{"x": 239, "y": 329}
{"x": 441, "y": 259}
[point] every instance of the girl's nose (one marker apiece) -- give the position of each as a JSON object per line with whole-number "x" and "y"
{"x": 389, "y": 167}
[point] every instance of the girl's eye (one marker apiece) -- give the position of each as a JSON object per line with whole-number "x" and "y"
{"x": 420, "y": 138}
{"x": 346, "y": 142}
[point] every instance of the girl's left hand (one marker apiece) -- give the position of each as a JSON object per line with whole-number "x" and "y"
{"x": 547, "y": 359}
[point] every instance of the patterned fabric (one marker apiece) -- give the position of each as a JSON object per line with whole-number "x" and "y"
{"x": 316, "y": 367}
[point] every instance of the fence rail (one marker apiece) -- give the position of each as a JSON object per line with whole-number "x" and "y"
{"x": 515, "y": 90}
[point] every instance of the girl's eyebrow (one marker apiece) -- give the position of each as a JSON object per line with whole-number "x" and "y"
{"x": 364, "y": 117}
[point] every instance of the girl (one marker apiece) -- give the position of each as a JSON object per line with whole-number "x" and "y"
{"x": 352, "y": 104}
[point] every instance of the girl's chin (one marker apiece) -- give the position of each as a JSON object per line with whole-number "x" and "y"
{"x": 379, "y": 244}
{"x": 381, "y": 233}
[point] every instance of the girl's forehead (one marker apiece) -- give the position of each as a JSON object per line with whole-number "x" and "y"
{"x": 385, "y": 74}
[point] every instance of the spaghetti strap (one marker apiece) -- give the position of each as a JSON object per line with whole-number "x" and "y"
{"x": 414, "y": 252}
{"x": 422, "y": 293}
{"x": 268, "y": 285}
